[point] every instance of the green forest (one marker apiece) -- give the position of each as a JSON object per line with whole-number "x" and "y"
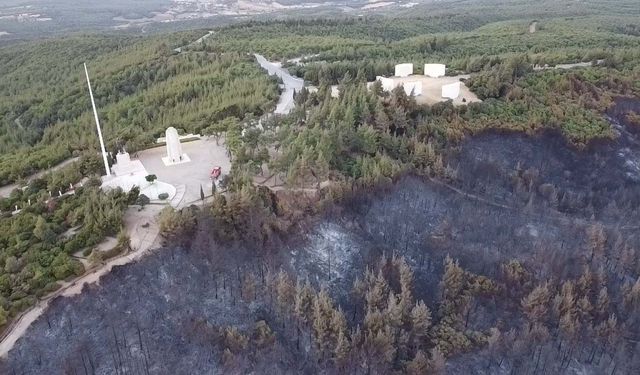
{"x": 141, "y": 85}
{"x": 39, "y": 242}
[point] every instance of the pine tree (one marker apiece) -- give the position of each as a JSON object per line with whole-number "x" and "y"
{"x": 597, "y": 240}
{"x": 321, "y": 322}
{"x": 420, "y": 323}
{"x": 437, "y": 362}
{"x": 303, "y": 301}
{"x": 419, "y": 365}
{"x": 285, "y": 292}
{"x": 585, "y": 309}
{"x": 564, "y": 301}
{"x": 393, "y": 313}
{"x": 452, "y": 279}
{"x": 342, "y": 349}
{"x": 536, "y": 304}
{"x": 406, "y": 284}
{"x": 338, "y": 323}
{"x": 608, "y": 330}
{"x": 377, "y": 292}
{"x": 569, "y": 326}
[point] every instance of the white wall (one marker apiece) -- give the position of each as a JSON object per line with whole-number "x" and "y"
{"x": 388, "y": 84}
{"x": 414, "y": 87}
{"x": 404, "y": 70}
{"x": 434, "y": 70}
{"x": 451, "y": 91}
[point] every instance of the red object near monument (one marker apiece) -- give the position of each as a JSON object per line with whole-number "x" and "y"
{"x": 215, "y": 172}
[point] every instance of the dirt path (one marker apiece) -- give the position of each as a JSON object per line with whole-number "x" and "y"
{"x": 7, "y": 189}
{"x": 143, "y": 231}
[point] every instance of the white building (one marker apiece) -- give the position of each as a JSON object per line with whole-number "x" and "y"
{"x": 388, "y": 84}
{"x": 434, "y": 70}
{"x": 404, "y": 70}
{"x": 451, "y": 91}
{"x": 413, "y": 88}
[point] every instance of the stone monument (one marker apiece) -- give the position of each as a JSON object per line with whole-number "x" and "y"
{"x": 174, "y": 148}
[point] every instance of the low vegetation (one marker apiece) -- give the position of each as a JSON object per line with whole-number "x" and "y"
{"x": 39, "y": 242}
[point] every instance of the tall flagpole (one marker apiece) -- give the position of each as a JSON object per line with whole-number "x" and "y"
{"x": 95, "y": 114}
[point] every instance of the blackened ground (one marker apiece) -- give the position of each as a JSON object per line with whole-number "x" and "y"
{"x": 515, "y": 197}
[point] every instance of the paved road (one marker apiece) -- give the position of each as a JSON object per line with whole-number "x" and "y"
{"x": 291, "y": 84}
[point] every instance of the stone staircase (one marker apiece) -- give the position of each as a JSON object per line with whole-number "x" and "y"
{"x": 177, "y": 199}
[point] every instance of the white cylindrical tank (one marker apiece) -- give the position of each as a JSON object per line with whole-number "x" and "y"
{"x": 174, "y": 149}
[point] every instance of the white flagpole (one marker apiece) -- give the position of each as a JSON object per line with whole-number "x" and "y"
{"x": 95, "y": 114}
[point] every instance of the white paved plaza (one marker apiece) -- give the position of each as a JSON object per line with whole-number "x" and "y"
{"x": 188, "y": 177}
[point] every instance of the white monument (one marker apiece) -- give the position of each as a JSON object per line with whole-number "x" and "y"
{"x": 174, "y": 148}
{"x": 413, "y": 88}
{"x": 404, "y": 70}
{"x": 451, "y": 91}
{"x": 434, "y": 70}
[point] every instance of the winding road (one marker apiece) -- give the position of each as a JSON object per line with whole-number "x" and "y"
{"x": 291, "y": 84}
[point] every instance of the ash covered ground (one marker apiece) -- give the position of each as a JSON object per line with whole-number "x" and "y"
{"x": 515, "y": 197}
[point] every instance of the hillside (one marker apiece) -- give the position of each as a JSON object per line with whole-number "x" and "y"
{"x": 361, "y": 232}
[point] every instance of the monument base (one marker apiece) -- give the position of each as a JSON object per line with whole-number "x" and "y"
{"x": 168, "y": 162}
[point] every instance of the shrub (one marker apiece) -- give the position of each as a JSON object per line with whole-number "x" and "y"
{"x": 163, "y": 196}
{"x": 150, "y": 178}
{"x": 142, "y": 200}
{"x": 133, "y": 194}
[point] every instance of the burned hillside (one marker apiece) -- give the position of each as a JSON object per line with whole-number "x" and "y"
{"x": 525, "y": 261}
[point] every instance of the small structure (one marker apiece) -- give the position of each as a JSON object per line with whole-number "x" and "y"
{"x": 451, "y": 91}
{"x": 404, "y": 70}
{"x": 533, "y": 26}
{"x": 125, "y": 166}
{"x": 174, "y": 148}
{"x": 388, "y": 84}
{"x": 413, "y": 88}
{"x": 128, "y": 173}
{"x": 434, "y": 70}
